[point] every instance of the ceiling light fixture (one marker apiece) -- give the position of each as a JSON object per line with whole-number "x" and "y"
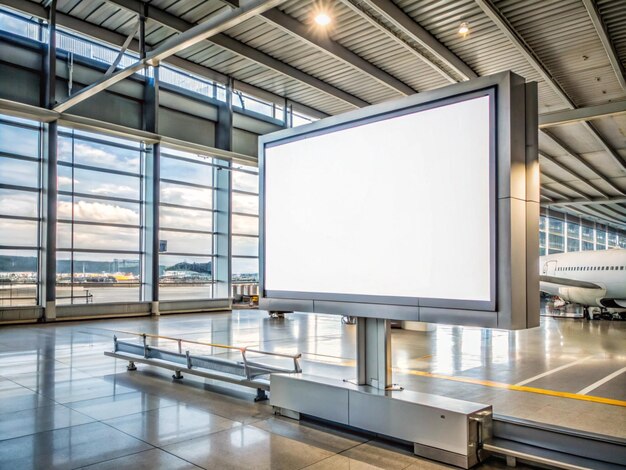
{"x": 322, "y": 19}
{"x": 464, "y": 28}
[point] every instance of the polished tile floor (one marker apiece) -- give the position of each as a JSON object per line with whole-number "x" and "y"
{"x": 63, "y": 404}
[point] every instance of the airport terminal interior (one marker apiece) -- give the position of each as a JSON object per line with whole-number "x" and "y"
{"x": 217, "y": 251}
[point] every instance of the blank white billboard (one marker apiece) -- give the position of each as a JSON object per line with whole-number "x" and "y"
{"x": 399, "y": 207}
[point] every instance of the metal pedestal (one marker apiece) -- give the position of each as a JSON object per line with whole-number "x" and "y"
{"x": 373, "y": 353}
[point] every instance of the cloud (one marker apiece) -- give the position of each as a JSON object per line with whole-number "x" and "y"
{"x": 186, "y": 219}
{"x": 245, "y": 225}
{"x": 18, "y": 203}
{"x": 245, "y": 204}
{"x": 88, "y": 153}
{"x": 246, "y": 182}
{"x": 108, "y": 189}
{"x": 98, "y": 238}
{"x": 186, "y": 196}
{"x": 98, "y": 212}
{"x": 65, "y": 181}
{"x": 18, "y": 232}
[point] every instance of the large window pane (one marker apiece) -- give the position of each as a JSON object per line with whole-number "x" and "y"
{"x": 97, "y": 237}
{"x": 19, "y": 140}
{"x": 91, "y": 228}
{"x": 186, "y": 195}
{"x": 245, "y": 204}
{"x": 97, "y": 278}
{"x": 587, "y": 246}
{"x": 245, "y": 225}
{"x": 245, "y": 182}
{"x": 99, "y": 183}
{"x": 600, "y": 239}
{"x": 573, "y": 230}
{"x": 185, "y": 242}
{"x": 245, "y": 269}
{"x": 245, "y": 250}
{"x": 18, "y": 278}
{"x": 555, "y": 226}
{"x": 573, "y": 244}
{"x": 95, "y": 210}
{"x": 22, "y": 203}
{"x": 99, "y": 155}
{"x": 186, "y": 265}
{"x": 186, "y": 171}
{"x": 186, "y": 219}
{"x": 245, "y": 246}
{"x": 556, "y": 244}
{"x": 185, "y": 277}
{"x": 18, "y": 232}
{"x": 19, "y": 172}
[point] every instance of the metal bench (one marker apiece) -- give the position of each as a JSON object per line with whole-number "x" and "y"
{"x": 246, "y": 372}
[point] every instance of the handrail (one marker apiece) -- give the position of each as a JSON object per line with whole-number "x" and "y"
{"x": 214, "y": 345}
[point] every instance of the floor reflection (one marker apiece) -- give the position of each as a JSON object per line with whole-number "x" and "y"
{"x": 63, "y": 404}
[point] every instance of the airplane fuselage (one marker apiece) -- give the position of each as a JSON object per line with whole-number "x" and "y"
{"x": 589, "y": 278}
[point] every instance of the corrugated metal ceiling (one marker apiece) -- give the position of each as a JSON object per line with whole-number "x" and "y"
{"x": 559, "y": 34}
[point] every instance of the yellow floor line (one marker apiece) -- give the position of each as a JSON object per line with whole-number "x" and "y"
{"x": 518, "y": 388}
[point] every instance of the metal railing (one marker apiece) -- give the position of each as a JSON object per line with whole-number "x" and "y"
{"x": 246, "y": 371}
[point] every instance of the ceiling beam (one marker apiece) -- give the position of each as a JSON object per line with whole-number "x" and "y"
{"x": 582, "y": 114}
{"x": 590, "y": 217}
{"x": 216, "y": 24}
{"x": 523, "y": 48}
{"x": 257, "y": 56}
{"x": 561, "y": 194}
{"x": 357, "y": 7}
{"x": 488, "y": 7}
{"x": 609, "y": 47}
{"x": 177, "y": 24}
{"x": 325, "y": 44}
{"x": 565, "y": 185}
{"x": 591, "y": 201}
{"x": 609, "y": 211}
{"x": 586, "y": 211}
{"x": 582, "y": 161}
{"x": 615, "y": 156}
{"x": 101, "y": 34}
{"x": 399, "y": 19}
{"x": 573, "y": 173}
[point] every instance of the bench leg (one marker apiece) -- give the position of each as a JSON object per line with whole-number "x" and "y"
{"x": 177, "y": 375}
{"x": 131, "y": 366}
{"x": 260, "y": 395}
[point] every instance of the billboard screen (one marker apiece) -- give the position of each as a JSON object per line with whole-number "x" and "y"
{"x": 367, "y": 209}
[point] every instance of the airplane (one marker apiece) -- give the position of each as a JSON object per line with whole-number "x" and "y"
{"x": 593, "y": 279}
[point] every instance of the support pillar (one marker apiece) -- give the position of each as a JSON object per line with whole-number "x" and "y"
{"x": 222, "y": 180}
{"x": 47, "y": 263}
{"x": 374, "y": 353}
{"x": 150, "y": 123}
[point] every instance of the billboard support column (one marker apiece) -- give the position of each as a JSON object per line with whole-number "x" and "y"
{"x": 373, "y": 353}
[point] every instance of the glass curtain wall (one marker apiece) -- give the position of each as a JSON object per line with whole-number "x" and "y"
{"x": 20, "y": 192}
{"x": 186, "y": 219}
{"x": 245, "y": 230}
{"x": 565, "y": 233}
{"x": 100, "y": 218}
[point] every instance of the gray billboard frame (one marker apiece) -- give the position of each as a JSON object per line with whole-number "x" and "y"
{"x": 514, "y": 212}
